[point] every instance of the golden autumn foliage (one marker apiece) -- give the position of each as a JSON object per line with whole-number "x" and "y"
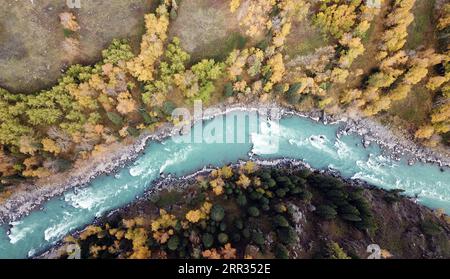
{"x": 276, "y": 65}
{"x": 226, "y": 172}
{"x": 339, "y": 75}
{"x": 234, "y": 5}
{"x": 126, "y": 103}
{"x": 257, "y": 18}
{"x": 217, "y": 186}
{"x": 337, "y": 18}
{"x": 354, "y": 48}
{"x": 444, "y": 20}
{"x": 401, "y": 71}
{"x": 6, "y": 164}
{"x": 425, "y": 132}
{"x": 400, "y": 92}
{"x": 211, "y": 254}
{"x": 227, "y": 253}
{"x": 50, "y": 145}
{"x": 436, "y": 82}
{"x": 349, "y": 95}
{"x": 416, "y": 74}
{"x": 164, "y": 221}
{"x": 397, "y": 23}
{"x": 194, "y": 216}
{"x": 152, "y": 45}
{"x": 249, "y": 167}
{"x": 69, "y": 21}
{"x": 27, "y": 145}
{"x": 236, "y": 62}
{"x": 243, "y": 181}
{"x": 441, "y": 114}
{"x": 89, "y": 231}
{"x": 141, "y": 253}
{"x": 139, "y": 237}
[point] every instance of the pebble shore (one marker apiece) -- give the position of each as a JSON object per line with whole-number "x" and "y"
{"x": 30, "y": 197}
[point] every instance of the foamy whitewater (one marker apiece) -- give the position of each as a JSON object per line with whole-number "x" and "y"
{"x": 294, "y": 137}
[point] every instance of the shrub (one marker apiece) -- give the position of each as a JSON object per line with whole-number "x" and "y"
{"x": 271, "y": 183}
{"x": 281, "y": 252}
{"x": 173, "y": 243}
{"x": 223, "y": 238}
{"x": 336, "y": 195}
{"x": 430, "y": 228}
{"x": 211, "y": 228}
{"x": 236, "y": 237}
{"x": 299, "y": 181}
{"x": 334, "y": 251}
{"x": 133, "y": 131}
{"x": 208, "y": 240}
{"x": 293, "y": 89}
{"x": 241, "y": 200}
{"x": 367, "y": 223}
{"x": 279, "y": 208}
{"x": 239, "y": 224}
{"x": 306, "y": 196}
{"x": 265, "y": 176}
{"x": 393, "y": 196}
{"x": 173, "y": 14}
{"x": 351, "y": 217}
{"x": 246, "y": 233}
{"x": 217, "y": 213}
{"x": 293, "y": 97}
{"x": 325, "y": 183}
{"x": 348, "y": 209}
{"x": 168, "y": 107}
{"x": 148, "y": 120}
{"x": 283, "y": 180}
{"x": 326, "y": 212}
{"x": 280, "y": 221}
{"x": 223, "y": 226}
{"x": 115, "y": 118}
{"x": 281, "y": 193}
{"x": 228, "y": 90}
{"x": 287, "y": 235}
{"x": 264, "y": 201}
{"x": 258, "y": 238}
{"x": 297, "y": 191}
{"x": 253, "y": 211}
{"x": 304, "y": 173}
{"x": 255, "y": 195}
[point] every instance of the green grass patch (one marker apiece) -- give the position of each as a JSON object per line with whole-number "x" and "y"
{"x": 221, "y": 49}
{"x": 68, "y": 33}
{"x": 305, "y": 39}
{"x": 422, "y": 26}
{"x": 415, "y": 108}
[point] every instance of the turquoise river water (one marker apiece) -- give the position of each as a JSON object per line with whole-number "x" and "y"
{"x": 292, "y": 137}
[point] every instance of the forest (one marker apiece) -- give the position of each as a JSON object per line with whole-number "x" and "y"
{"x": 255, "y": 212}
{"x": 369, "y": 66}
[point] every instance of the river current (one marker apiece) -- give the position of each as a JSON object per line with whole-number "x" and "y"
{"x": 293, "y": 137}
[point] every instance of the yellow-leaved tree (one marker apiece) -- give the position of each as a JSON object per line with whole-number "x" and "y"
{"x": 152, "y": 46}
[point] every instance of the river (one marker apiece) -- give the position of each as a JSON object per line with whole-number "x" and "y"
{"x": 292, "y": 137}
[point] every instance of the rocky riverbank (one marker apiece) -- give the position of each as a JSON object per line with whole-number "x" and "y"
{"x": 28, "y": 197}
{"x": 402, "y": 226}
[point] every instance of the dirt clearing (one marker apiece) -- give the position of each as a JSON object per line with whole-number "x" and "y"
{"x": 31, "y": 36}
